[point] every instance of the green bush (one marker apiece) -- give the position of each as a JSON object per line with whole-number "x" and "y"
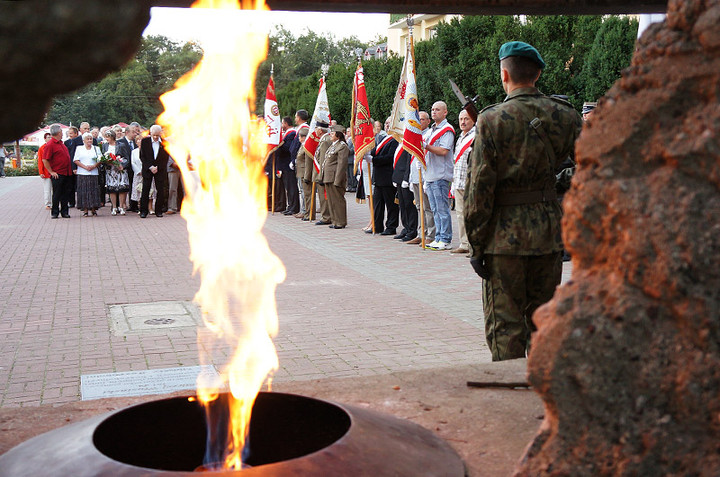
{"x": 23, "y": 171}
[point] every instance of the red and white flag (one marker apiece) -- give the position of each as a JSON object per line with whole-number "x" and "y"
{"x": 273, "y": 123}
{"x": 361, "y": 126}
{"x": 320, "y": 115}
{"x": 405, "y": 116}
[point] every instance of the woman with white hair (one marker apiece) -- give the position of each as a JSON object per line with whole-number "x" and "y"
{"x": 88, "y": 192}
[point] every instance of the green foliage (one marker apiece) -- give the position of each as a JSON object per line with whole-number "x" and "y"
{"x": 584, "y": 57}
{"x": 23, "y": 171}
{"x": 132, "y": 93}
{"x": 609, "y": 54}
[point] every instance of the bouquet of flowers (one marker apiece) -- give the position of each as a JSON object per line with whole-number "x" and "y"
{"x": 109, "y": 159}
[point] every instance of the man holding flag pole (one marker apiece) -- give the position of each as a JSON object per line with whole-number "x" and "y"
{"x": 405, "y": 124}
{"x": 363, "y": 136}
{"x": 273, "y": 125}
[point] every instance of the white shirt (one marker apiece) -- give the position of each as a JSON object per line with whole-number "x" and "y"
{"x": 135, "y": 161}
{"x": 87, "y": 157}
{"x": 156, "y": 148}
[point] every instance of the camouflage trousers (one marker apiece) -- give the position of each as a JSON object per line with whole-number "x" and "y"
{"x": 518, "y": 285}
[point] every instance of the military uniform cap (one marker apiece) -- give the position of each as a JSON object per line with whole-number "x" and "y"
{"x": 321, "y": 124}
{"x": 587, "y": 107}
{"x": 338, "y": 128}
{"x": 519, "y": 48}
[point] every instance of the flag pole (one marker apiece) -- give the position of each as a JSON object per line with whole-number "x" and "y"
{"x": 272, "y": 192}
{"x": 372, "y": 207}
{"x": 410, "y": 23}
{"x": 312, "y": 202}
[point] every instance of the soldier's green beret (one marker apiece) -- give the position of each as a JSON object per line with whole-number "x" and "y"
{"x": 519, "y": 48}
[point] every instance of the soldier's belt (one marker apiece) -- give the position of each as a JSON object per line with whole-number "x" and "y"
{"x": 521, "y": 198}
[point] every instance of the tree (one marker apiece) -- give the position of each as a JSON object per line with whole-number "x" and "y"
{"x": 611, "y": 52}
{"x": 131, "y": 94}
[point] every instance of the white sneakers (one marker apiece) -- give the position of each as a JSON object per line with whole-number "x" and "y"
{"x": 114, "y": 211}
{"x": 121, "y": 210}
{"x": 435, "y": 245}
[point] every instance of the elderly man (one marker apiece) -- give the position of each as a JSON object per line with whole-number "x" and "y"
{"x": 439, "y": 158}
{"x": 384, "y": 191}
{"x": 428, "y": 224}
{"x": 154, "y": 160}
{"x": 56, "y": 160}
{"x": 511, "y": 210}
{"x": 462, "y": 152}
{"x": 131, "y": 133}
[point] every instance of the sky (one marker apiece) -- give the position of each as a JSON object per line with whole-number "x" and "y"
{"x": 185, "y": 24}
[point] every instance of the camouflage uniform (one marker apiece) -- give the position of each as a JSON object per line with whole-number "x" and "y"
{"x": 511, "y": 212}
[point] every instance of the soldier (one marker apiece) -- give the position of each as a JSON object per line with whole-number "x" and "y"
{"x": 322, "y": 147}
{"x": 334, "y": 176}
{"x": 511, "y": 212}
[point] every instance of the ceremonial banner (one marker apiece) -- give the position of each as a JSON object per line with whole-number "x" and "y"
{"x": 363, "y": 137}
{"x": 405, "y": 116}
{"x": 273, "y": 122}
{"x": 322, "y": 115}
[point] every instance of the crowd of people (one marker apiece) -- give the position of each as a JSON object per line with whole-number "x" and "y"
{"x": 127, "y": 167}
{"x": 506, "y": 179}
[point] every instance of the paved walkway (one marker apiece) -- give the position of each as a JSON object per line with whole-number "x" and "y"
{"x": 352, "y": 304}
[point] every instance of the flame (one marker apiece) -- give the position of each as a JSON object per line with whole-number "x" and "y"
{"x": 209, "y": 118}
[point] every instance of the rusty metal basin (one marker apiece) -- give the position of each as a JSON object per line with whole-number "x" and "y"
{"x": 290, "y": 435}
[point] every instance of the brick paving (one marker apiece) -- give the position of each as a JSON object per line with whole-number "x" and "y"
{"x": 352, "y": 304}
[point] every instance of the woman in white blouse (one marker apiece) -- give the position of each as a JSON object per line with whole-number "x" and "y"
{"x": 88, "y": 191}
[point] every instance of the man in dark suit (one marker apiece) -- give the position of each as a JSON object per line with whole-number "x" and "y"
{"x": 285, "y": 163}
{"x": 154, "y": 160}
{"x": 73, "y": 141}
{"x": 408, "y": 212}
{"x": 384, "y": 191}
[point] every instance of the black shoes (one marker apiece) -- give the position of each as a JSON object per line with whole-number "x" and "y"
{"x": 399, "y": 236}
{"x": 54, "y": 216}
{"x": 368, "y": 231}
{"x": 387, "y": 232}
{"x": 322, "y": 222}
{"x": 336, "y": 227}
{"x": 65, "y": 216}
{"x": 158, "y": 215}
{"x": 408, "y": 238}
{"x": 143, "y": 215}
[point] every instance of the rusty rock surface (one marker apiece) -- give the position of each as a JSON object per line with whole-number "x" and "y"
{"x": 627, "y": 355}
{"x": 49, "y": 48}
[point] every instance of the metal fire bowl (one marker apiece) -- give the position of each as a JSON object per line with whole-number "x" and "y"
{"x": 290, "y": 435}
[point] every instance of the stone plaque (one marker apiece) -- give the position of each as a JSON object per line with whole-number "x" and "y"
{"x": 141, "y": 383}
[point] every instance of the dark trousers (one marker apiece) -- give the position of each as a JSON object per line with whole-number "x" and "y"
{"x": 408, "y": 212}
{"x": 61, "y": 190}
{"x": 160, "y": 187}
{"x": 73, "y": 190}
{"x": 101, "y": 182}
{"x": 289, "y": 179}
{"x": 133, "y": 203}
{"x": 352, "y": 180}
{"x": 384, "y": 198}
{"x": 279, "y": 205}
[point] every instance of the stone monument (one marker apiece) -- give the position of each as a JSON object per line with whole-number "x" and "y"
{"x": 627, "y": 355}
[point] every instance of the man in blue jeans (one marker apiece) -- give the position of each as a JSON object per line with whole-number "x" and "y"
{"x": 439, "y": 173}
